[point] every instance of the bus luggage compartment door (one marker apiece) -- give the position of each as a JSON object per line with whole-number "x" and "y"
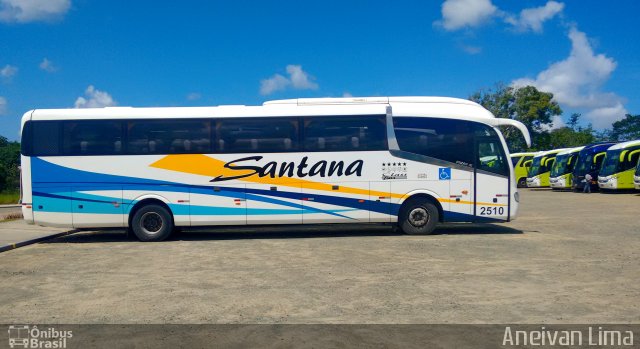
{"x": 93, "y": 207}
{"x": 346, "y": 202}
{"x": 52, "y": 206}
{"x": 218, "y": 205}
{"x": 274, "y": 204}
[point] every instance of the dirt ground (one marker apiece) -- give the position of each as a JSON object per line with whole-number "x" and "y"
{"x": 568, "y": 258}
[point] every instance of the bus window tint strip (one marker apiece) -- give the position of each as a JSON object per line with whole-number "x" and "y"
{"x": 201, "y": 136}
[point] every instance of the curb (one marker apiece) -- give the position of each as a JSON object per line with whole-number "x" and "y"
{"x": 33, "y": 241}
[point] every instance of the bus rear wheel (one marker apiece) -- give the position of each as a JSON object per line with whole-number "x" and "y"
{"x": 418, "y": 217}
{"x": 152, "y": 223}
{"x": 522, "y": 183}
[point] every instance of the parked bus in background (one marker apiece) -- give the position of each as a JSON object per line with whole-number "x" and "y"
{"x": 408, "y": 161}
{"x": 589, "y": 162}
{"x": 636, "y": 177}
{"x": 521, "y": 164}
{"x": 561, "y": 176}
{"x": 541, "y": 168}
{"x": 619, "y": 166}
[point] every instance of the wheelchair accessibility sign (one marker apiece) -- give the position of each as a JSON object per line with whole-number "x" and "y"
{"x": 444, "y": 173}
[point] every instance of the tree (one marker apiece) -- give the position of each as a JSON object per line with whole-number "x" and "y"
{"x": 571, "y": 135}
{"x": 626, "y": 129}
{"x": 535, "y": 109}
{"x": 9, "y": 162}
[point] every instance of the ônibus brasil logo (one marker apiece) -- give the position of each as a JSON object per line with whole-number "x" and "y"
{"x": 25, "y": 336}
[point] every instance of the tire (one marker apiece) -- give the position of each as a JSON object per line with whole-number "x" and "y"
{"x": 152, "y": 223}
{"x": 522, "y": 183}
{"x": 418, "y": 217}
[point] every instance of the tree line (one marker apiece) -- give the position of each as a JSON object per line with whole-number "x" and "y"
{"x": 9, "y": 162}
{"x": 537, "y": 109}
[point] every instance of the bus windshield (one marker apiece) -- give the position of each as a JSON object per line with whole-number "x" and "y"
{"x": 611, "y": 163}
{"x": 562, "y": 165}
{"x": 620, "y": 160}
{"x": 537, "y": 167}
{"x": 585, "y": 163}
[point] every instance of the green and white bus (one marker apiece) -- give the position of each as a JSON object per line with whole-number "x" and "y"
{"x": 541, "y": 168}
{"x": 521, "y": 164}
{"x": 636, "y": 178}
{"x": 561, "y": 176}
{"x": 619, "y": 166}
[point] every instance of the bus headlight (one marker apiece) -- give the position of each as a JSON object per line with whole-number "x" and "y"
{"x": 516, "y": 196}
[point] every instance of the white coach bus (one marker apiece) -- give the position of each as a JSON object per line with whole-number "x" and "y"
{"x": 411, "y": 161}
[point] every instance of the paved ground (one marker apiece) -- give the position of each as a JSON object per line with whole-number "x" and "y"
{"x": 569, "y": 258}
{"x": 16, "y": 232}
{"x": 7, "y": 209}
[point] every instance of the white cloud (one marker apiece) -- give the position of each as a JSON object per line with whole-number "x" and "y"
{"x": 576, "y": 82}
{"x": 8, "y": 72}
{"x": 533, "y": 18}
{"x": 94, "y": 99}
{"x": 193, "y": 96}
{"x": 458, "y": 14}
{"x": 298, "y": 79}
{"x": 3, "y": 105}
{"x": 472, "y": 50}
{"x": 48, "y": 66}
{"x": 23, "y": 11}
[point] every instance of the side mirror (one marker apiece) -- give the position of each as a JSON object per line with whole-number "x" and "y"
{"x": 527, "y": 163}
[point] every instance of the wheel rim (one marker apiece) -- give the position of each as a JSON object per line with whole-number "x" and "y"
{"x": 418, "y": 217}
{"x": 151, "y": 223}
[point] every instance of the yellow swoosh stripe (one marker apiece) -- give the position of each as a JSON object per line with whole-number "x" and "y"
{"x": 203, "y": 165}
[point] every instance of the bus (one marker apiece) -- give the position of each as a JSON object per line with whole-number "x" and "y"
{"x": 541, "y": 168}
{"x": 521, "y": 163}
{"x": 589, "y": 161}
{"x": 619, "y": 166}
{"x": 636, "y": 177}
{"x": 408, "y": 161}
{"x": 561, "y": 175}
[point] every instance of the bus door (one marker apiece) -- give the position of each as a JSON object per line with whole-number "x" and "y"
{"x": 491, "y": 185}
{"x": 460, "y": 195}
{"x": 92, "y": 208}
{"x": 265, "y": 205}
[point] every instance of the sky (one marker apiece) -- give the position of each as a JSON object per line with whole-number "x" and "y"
{"x": 84, "y": 53}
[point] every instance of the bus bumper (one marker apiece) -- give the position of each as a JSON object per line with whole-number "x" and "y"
{"x": 607, "y": 182}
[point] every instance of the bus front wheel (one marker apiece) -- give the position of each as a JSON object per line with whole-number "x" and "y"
{"x": 152, "y": 223}
{"x": 418, "y": 217}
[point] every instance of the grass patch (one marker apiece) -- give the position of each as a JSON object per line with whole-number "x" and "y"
{"x": 10, "y": 197}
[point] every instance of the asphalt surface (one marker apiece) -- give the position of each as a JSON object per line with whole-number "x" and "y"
{"x": 568, "y": 258}
{"x": 7, "y": 209}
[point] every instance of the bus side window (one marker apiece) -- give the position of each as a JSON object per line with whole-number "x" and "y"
{"x": 88, "y": 137}
{"x": 45, "y": 138}
{"x": 257, "y": 135}
{"x": 169, "y": 137}
{"x": 343, "y": 133}
{"x": 444, "y": 139}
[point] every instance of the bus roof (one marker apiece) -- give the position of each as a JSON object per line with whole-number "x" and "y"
{"x": 550, "y": 152}
{"x": 625, "y": 144}
{"x": 523, "y": 154}
{"x": 570, "y": 151}
{"x": 439, "y": 107}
